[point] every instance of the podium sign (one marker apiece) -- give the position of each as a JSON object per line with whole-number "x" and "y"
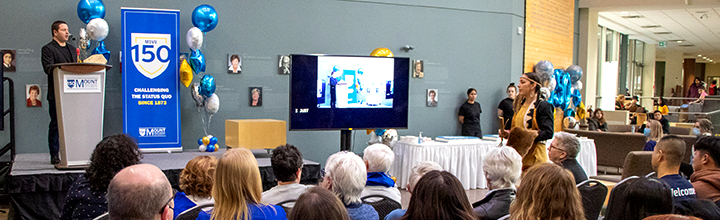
{"x": 151, "y": 102}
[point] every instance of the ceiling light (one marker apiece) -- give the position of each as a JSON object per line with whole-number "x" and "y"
{"x": 623, "y": 12}
{"x": 704, "y": 57}
{"x": 650, "y": 26}
{"x": 632, "y": 16}
{"x": 679, "y": 41}
{"x": 699, "y": 55}
{"x": 664, "y": 32}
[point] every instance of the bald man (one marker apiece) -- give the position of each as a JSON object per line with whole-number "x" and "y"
{"x": 140, "y": 192}
{"x": 666, "y": 159}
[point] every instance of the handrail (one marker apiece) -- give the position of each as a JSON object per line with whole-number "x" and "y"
{"x": 11, "y": 111}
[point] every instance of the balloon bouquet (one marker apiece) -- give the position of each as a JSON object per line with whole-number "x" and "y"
{"x": 204, "y": 18}
{"x": 92, "y": 12}
{"x": 561, "y": 88}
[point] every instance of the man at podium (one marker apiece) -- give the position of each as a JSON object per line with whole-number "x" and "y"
{"x": 57, "y": 51}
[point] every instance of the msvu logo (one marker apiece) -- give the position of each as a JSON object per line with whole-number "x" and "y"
{"x": 152, "y": 131}
{"x": 82, "y": 83}
{"x": 150, "y": 53}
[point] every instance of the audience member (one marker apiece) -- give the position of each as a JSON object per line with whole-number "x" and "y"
{"x": 703, "y": 127}
{"x": 658, "y": 116}
{"x": 693, "y": 91}
{"x": 439, "y": 196}
{"x": 653, "y": 133}
{"x": 547, "y": 191}
{"x": 670, "y": 217}
{"x": 86, "y": 197}
{"x": 417, "y": 172}
{"x": 701, "y": 98}
{"x": 378, "y": 159}
{"x": 638, "y": 197}
{"x": 345, "y": 175}
{"x": 287, "y": 163}
{"x": 701, "y": 208}
{"x": 140, "y": 192}
{"x": 563, "y": 151}
{"x": 634, "y": 104}
{"x": 706, "y": 163}
{"x": 318, "y": 204}
{"x": 620, "y": 102}
{"x": 196, "y": 182}
{"x": 502, "y": 167}
{"x": 596, "y": 121}
{"x": 666, "y": 159}
{"x": 237, "y": 189}
{"x": 663, "y": 106}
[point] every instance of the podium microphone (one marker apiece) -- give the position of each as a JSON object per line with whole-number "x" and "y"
{"x": 72, "y": 37}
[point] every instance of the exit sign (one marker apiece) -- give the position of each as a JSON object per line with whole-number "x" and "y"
{"x": 663, "y": 44}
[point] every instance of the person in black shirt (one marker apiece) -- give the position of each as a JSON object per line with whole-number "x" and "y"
{"x": 505, "y": 109}
{"x": 469, "y": 115}
{"x": 57, "y": 51}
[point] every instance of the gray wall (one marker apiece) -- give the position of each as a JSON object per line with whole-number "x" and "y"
{"x": 466, "y": 43}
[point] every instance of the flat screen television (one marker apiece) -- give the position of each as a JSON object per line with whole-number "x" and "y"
{"x": 329, "y": 92}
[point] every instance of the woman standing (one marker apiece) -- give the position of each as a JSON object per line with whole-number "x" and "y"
{"x": 505, "y": 109}
{"x": 693, "y": 91}
{"x": 534, "y": 114}
{"x": 469, "y": 115}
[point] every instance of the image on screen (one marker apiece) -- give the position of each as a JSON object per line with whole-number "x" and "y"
{"x": 355, "y": 82}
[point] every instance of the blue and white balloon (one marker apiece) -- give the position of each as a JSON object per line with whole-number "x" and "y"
{"x": 88, "y": 10}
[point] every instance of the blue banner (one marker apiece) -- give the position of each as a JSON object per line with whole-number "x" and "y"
{"x": 151, "y": 102}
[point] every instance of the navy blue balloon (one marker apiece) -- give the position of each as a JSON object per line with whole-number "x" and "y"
{"x": 575, "y": 72}
{"x": 90, "y": 9}
{"x": 205, "y": 17}
{"x": 197, "y": 61}
{"x": 207, "y": 86}
{"x": 213, "y": 140}
{"x": 100, "y": 49}
{"x": 200, "y": 142}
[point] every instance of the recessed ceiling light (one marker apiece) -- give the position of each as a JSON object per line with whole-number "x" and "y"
{"x": 664, "y": 32}
{"x": 699, "y": 55}
{"x": 679, "y": 41}
{"x": 650, "y": 26}
{"x": 704, "y": 57}
{"x": 623, "y": 12}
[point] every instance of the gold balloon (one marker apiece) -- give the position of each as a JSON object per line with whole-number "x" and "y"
{"x": 186, "y": 73}
{"x": 382, "y": 52}
{"x": 580, "y": 111}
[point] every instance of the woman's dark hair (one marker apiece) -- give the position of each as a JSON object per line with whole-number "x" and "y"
{"x": 234, "y": 57}
{"x": 638, "y": 198}
{"x": 702, "y": 208}
{"x": 439, "y": 195}
{"x": 698, "y": 79}
{"x": 517, "y": 104}
{"x": 602, "y": 119}
{"x": 318, "y": 204}
{"x": 110, "y": 156}
{"x": 512, "y": 85}
{"x": 34, "y": 87}
{"x": 662, "y": 102}
{"x": 471, "y": 90}
{"x": 286, "y": 160}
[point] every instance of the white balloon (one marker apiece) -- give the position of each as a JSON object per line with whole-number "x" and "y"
{"x": 194, "y": 38}
{"x": 97, "y": 29}
{"x": 577, "y": 85}
{"x": 202, "y": 148}
{"x": 212, "y": 104}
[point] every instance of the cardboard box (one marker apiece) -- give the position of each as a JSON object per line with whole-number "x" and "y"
{"x": 255, "y": 133}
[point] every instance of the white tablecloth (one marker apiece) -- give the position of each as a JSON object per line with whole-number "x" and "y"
{"x": 464, "y": 160}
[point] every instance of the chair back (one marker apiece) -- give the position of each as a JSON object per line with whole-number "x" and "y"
{"x": 505, "y": 217}
{"x": 192, "y": 213}
{"x": 383, "y": 206}
{"x": 641, "y": 118}
{"x": 286, "y": 206}
{"x": 637, "y": 163}
{"x": 104, "y": 216}
{"x": 593, "y": 195}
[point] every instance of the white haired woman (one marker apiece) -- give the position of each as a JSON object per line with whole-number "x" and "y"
{"x": 502, "y": 167}
{"x": 378, "y": 159}
{"x": 345, "y": 175}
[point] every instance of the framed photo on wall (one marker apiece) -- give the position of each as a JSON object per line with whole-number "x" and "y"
{"x": 432, "y": 98}
{"x": 255, "y": 96}
{"x": 418, "y": 68}
{"x": 8, "y": 60}
{"x": 234, "y": 63}
{"x": 283, "y": 65}
{"x": 32, "y": 95}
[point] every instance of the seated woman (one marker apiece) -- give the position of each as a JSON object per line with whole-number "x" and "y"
{"x": 502, "y": 168}
{"x": 196, "y": 184}
{"x": 701, "y": 99}
{"x": 547, "y": 191}
{"x": 86, "y": 197}
{"x": 620, "y": 102}
{"x": 637, "y": 198}
{"x": 596, "y": 121}
{"x": 653, "y": 134}
{"x": 662, "y": 106}
{"x": 657, "y": 115}
{"x": 417, "y": 172}
{"x": 439, "y": 195}
{"x": 317, "y": 198}
{"x": 703, "y": 127}
{"x": 237, "y": 189}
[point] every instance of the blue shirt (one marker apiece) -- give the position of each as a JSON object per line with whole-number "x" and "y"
{"x": 395, "y": 214}
{"x": 650, "y": 145}
{"x": 359, "y": 211}
{"x": 681, "y": 189}
{"x": 182, "y": 203}
{"x": 258, "y": 212}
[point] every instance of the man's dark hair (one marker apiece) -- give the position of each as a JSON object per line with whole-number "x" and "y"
{"x": 635, "y": 97}
{"x": 673, "y": 147}
{"x": 110, "y": 156}
{"x": 711, "y": 147}
{"x": 286, "y": 160}
{"x": 56, "y": 26}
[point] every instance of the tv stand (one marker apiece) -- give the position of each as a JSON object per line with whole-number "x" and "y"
{"x": 345, "y": 140}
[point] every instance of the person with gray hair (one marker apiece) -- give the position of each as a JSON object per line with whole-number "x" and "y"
{"x": 563, "y": 150}
{"x": 502, "y": 167}
{"x": 417, "y": 172}
{"x": 378, "y": 159}
{"x": 345, "y": 175}
{"x": 140, "y": 192}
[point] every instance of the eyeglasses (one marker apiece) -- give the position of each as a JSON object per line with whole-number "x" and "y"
{"x": 551, "y": 147}
{"x": 168, "y": 202}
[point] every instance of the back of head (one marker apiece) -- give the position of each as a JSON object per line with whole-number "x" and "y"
{"x": 110, "y": 156}
{"x": 569, "y": 143}
{"x": 198, "y": 176}
{"x": 656, "y": 131}
{"x": 502, "y": 167}
{"x": 705, "y": 125}
{"x": 347, "y": 174}
{"x": 671, "y": 217}
{"x": 547, "y": 191}
{"x": 286, "y": 160}
{"x": 379, "y": 158}
{"x": 673, "y": 148}
{"x": 638, "y": 198}
{"x": 419, "y": 170}
{"x": 318, "y": 204}
{"x": 702, "y": 208}
{"x": 711, "y": 147}
{"x": 138, "y": 192}
{"x": 439, "y": 195}
{"x": 237, "y": 184}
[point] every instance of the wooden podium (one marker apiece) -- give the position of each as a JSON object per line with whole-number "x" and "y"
{"x": 80, "y": 104}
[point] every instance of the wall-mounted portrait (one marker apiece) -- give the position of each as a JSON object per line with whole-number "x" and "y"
{"x": 418, "y": 68}
{"x": 255, "y": 96}
{"x": 32, "y": 95}
{"x": 284, "y": 65}
{"x": 432, "y": 97}
{"x": 8, "y": 60}
{"x": 234, "y": 63}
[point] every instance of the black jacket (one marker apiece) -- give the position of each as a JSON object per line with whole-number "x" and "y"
{"x": 495, "y": 205}
{"x": 576, "y": 170}
{"x": 52, "y": 54}
{"x": 545, "y": 120}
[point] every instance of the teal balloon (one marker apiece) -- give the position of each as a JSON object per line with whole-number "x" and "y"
{"x": 197, "y": 61}
{"x": 207, "y": 86}
{"x": 100, "y": 49}
{"x": 213, "y": 141}
{"x": 90, "y": 9}
{"x": 205, "y": 18}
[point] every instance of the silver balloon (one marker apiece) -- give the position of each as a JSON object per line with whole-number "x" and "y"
{"x": 577, "y": 85}
{"x": 544, "y": 93}
{"x": 194, "y": 38}
{"x": 195, "y": 93}
{"x": 552, "y": 84}
{"x": 97, "y": 29}
{"x": 84, "y": 43}
{"x": 212, "y": 104}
